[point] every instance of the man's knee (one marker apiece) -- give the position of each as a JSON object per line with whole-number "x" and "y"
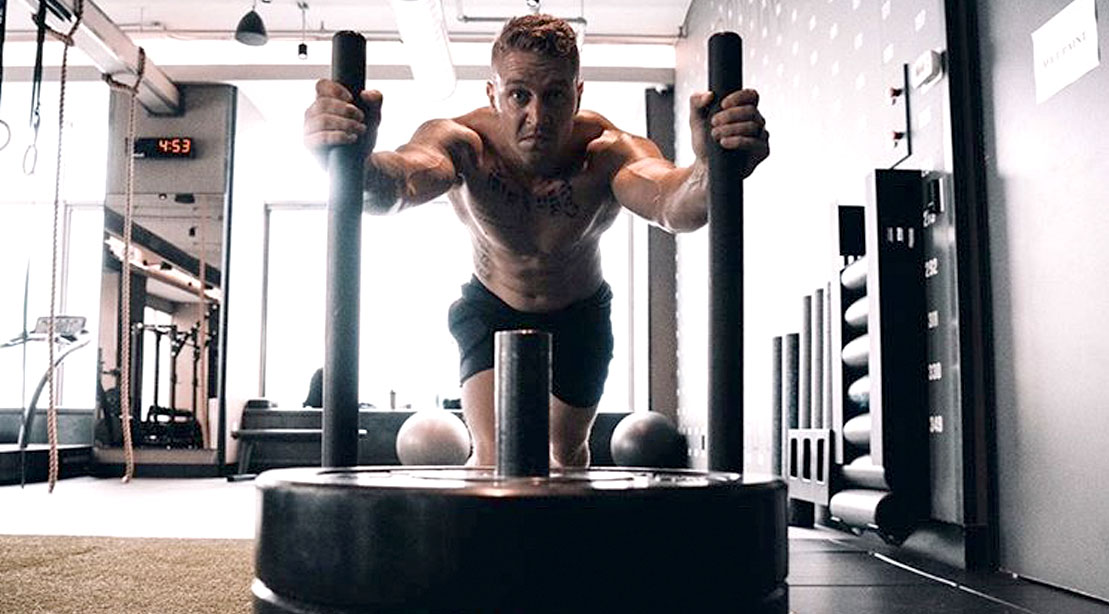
{"x": 570, "y": 453}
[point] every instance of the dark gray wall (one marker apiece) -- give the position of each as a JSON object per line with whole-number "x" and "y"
{"x": 74, "y": 426}
{"x": 1047, "y": 168}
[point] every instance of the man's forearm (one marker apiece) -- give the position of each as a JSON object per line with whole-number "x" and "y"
{"x": 684, "y": 205}
{"x": 409, "y": 176}
{"x": 382, "y": 188}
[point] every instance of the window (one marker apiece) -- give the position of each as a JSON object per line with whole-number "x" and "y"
{"x": 26, "y": 212}
{"x": 412, "y": 267}
{"x": 78, "y": 294}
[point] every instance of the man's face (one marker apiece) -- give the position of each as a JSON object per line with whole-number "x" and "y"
{"x": 536, "y": 99}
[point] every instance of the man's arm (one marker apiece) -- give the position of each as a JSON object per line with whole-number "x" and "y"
{"x": 425, "y": 167}
{"x": 417, "y": 172}
{"x": 653, "y": 188}
{"x": 675, "y": 198}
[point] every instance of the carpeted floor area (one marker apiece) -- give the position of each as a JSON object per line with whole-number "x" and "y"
{"x": 92, "y": 575}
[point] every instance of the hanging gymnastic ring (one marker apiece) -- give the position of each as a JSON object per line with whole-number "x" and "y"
{"x": 33, "y": 153}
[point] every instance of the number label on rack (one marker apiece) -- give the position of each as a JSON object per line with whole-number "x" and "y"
{"x": 931, "y": 267}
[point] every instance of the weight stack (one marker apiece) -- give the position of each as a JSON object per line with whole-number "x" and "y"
{"x": 878, "y": 393}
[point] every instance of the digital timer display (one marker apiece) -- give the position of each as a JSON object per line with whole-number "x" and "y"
{"x": 165, "y": 147}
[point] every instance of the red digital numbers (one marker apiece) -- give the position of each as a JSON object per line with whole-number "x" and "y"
{"x": 180, "y": 146}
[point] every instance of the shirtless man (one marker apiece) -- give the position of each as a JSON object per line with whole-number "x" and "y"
{"x": 537, "y": 181}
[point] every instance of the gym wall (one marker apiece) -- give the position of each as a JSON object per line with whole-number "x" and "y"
{"x": 823, "y": 69}
{"x": 1046, "y": 165}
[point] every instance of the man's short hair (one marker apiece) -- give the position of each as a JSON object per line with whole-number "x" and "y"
{"x": 545, "y": 35}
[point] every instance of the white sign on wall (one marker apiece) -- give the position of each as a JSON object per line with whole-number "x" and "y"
{"x": 1065, "y": 48}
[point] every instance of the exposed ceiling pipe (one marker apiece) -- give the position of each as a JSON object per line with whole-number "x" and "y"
{"x": 424, "y": 32}
{"x": 389, "y": 36}
{"x": 533, "y": 6}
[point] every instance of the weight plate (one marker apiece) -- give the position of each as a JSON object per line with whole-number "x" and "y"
{"x": 859, "y": 392}
{"x": 856, "y": 353}
{"x": 857, "y": 431}
{"x": 856, "y": 314}
{"x": 863, "y": 473}
{"x": 853, "y": 276}
{"x": 438, "y": 539}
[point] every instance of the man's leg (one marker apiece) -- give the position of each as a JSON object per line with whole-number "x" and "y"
{"x": 570, "y": 428}
{"x": 581, "y": 353}
{"x": 477, "y": 407}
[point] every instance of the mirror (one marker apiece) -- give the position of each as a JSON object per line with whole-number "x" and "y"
{"x": 175, "y": 299}
{"x": 180, "y": 179}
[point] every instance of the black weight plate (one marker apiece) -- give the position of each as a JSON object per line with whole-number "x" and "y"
{"x": 857, "y": 431}
{"x": 853, "y": 276}
{"x": 462, "y": 540}
{"x": 857, "y": 313}
{"x": 856, "y": 353}
{"x": 863, "y": 473}
{"x": 859, "y": 392}
{"x": 874, "y": 509}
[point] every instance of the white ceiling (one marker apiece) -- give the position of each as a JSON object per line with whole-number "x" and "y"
{"x": 605, "y": 18}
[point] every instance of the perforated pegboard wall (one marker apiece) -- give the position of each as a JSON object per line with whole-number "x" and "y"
{"x": 824, "y": 69}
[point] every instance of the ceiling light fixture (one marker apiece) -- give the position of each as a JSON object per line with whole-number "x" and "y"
{"x": 302, "y": 48}
{"x": 251, "y": 30}
{"x": 424, "y": 32}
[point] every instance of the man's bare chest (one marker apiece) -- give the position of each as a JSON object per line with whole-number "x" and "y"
{"x": 547, "y": 210}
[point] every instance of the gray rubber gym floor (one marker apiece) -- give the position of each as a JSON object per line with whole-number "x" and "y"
{"x": 830, "y": 572}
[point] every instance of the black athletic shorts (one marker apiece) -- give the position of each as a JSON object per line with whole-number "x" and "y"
{"x": 581, "y": 338}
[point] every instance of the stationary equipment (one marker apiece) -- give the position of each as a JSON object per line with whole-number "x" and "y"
{"x": 69, "y": 336}
{"x": 521, "y": 537}
{"x": 170, "y": 427}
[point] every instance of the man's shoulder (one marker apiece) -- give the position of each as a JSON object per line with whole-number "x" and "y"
{"x": 604, "y": 137}
{"x": 479, "y": 121}
{"x": 463, "y": 130}
{"x": 593, "y": 119}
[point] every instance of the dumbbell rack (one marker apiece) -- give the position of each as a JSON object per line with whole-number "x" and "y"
{"x": 868, "y": 460}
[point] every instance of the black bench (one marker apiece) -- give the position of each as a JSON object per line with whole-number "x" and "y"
{"x": 248, "y": 438}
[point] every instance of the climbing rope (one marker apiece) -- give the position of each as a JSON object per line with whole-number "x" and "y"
{"x": 125, "y": 270}
{"x": 52, "y": 412}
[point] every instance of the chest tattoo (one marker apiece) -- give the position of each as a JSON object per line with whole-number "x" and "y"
{"x": 554, "y": 198}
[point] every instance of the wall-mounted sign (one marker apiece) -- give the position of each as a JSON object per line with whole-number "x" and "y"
{"x": 1065, "y": 48}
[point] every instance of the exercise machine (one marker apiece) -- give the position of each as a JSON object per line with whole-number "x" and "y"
{"x": 69, "y": 336}
{"x": 170, "y": 427}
